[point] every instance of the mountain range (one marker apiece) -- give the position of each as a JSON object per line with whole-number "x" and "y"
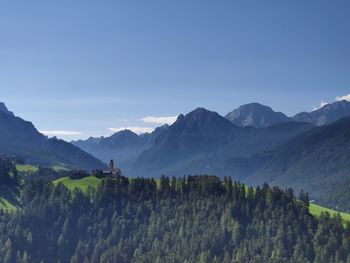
{"x": 260, "y": 116}
{"x": 325, "y": 115}
{"x": 253, "y": 144}
{"x": 20, "y": 138}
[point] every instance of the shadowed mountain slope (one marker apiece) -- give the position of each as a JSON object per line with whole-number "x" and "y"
{"x": 20, "y": 138}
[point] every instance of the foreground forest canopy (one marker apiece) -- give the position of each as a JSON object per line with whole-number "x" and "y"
{"x": 193, "y": 219}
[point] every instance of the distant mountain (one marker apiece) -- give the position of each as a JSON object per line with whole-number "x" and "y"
{"x": 183, "y": 146}
{"x": 256, "y": 115}
{"x": 312, "y": 161}
{"x": 21, "y": 138}
{"x": 201, "y": 141}
{"x": 193, "y": 147}
{"x": 293, "y": 154}
{"x": 120, "y": 140}
{"x": 325, "y": 115}
{"x": 260, "y": 116}
{"x": 124, "y": 147}
{"x": 198, "y": 131}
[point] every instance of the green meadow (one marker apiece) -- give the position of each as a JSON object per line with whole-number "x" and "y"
{"x": 82, "y": 184}
{"x": 316, "y": 210}
{"x": 26, "y": 168}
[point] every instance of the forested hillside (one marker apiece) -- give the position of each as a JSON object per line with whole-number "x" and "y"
{"x": 313, "y": 161}
{"x": 194, "y": 219}
{"x": 9, "y": 182}
{"x": 337, "y": 196}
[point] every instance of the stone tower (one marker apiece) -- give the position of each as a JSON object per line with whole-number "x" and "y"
{"x": 111, "y": 166}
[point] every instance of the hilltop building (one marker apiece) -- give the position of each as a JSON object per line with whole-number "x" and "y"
{"x": 113, "y": 171}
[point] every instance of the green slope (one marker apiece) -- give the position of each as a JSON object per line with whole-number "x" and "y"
{"x": 9, "y": 198}
{"x": 26, "y": 168}
{"x": 316, "y": 210}
{"x": 83, "y": 183}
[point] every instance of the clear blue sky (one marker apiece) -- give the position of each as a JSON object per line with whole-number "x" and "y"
{"x": 86, "y": 66}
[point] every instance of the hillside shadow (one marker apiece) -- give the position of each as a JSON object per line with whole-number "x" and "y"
{"x": 11, "y": 194}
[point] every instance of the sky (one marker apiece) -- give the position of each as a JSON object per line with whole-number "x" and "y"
{"x": 89, "y": 68}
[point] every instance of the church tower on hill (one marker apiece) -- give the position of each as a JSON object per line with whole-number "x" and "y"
{"x": 111, "y": 166}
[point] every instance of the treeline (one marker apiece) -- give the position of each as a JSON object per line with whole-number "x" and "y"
{"x": 192, "y": 219}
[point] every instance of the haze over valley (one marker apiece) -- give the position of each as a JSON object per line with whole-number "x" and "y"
{"x": 175, "y": 131}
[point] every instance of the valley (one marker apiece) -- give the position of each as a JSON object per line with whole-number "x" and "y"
{"x": 252, "y": 144}
{"x": 281, "y": 150}
{"x": 175, "y": 131}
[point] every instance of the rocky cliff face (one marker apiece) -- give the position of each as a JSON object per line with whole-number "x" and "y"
{"x": 256, "y": 115}
{"x": 325, "y": 115}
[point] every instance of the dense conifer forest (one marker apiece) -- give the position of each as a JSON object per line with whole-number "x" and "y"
{"x": 192, "y": 219}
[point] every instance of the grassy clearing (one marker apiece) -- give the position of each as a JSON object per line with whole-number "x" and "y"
{"x": 9, "y": 198}
{"x": 82, "y": 184}
{"x": 32, "y": 168}
{"x": 26, "y": 168}
{"x": 316, "y": 210}
{"x": 59, "y": 168}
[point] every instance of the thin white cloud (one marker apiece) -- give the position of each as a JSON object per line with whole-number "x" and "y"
{"x": 322, "y": 104}
{"x": 345, "y": 97}
{"x": 135, "y": 129}
{"x": 338, "y": 98}
{"x": 159, "y": 120}
{"x": 61, "y": 133}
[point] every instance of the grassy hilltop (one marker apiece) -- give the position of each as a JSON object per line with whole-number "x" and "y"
{"x": 83, "y": 184}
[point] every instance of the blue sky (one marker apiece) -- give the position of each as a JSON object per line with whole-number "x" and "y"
{"x": 86, "y": 66}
